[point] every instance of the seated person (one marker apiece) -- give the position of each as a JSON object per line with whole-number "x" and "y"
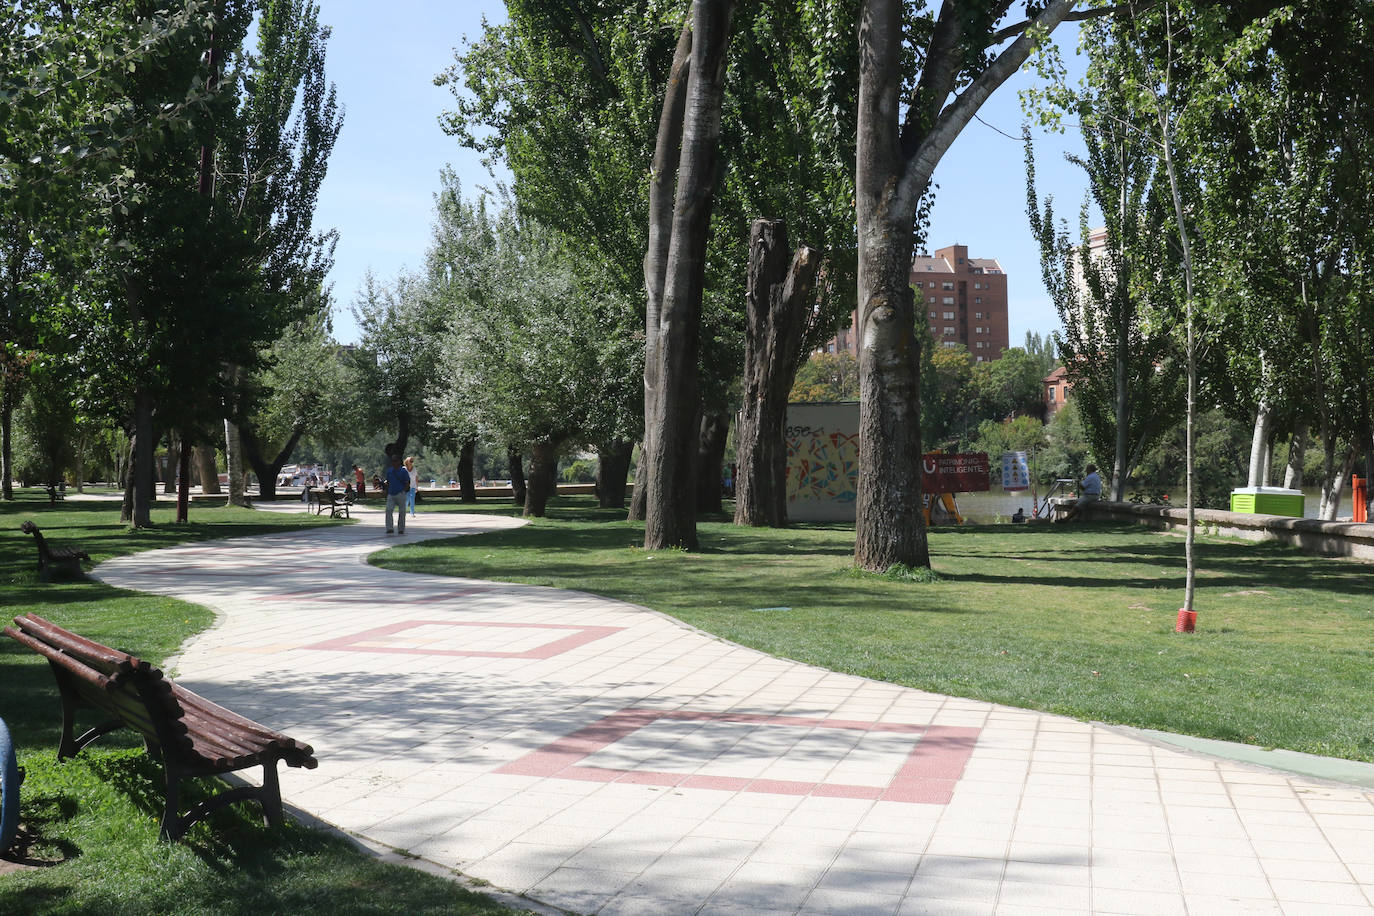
{"x": 1089, "y": 491}
{"x": 1019, "y": 516}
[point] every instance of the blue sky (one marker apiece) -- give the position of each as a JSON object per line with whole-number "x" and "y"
{"x": 385, "y": 167}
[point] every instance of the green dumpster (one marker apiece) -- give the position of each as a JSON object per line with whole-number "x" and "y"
{"x": 1267, "y": 501}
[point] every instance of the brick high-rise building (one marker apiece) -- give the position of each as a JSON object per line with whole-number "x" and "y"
{"x": 964, "y": 300}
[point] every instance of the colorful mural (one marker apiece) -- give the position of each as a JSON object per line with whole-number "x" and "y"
{"x": 822, "y": 461}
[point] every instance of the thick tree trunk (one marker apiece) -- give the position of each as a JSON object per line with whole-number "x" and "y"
{"x": 168, "y": 466}
{"x": 516, "y": 462}
{"x": 1259, "y": 440}
{"x": 543, "y": 473}
{"x": 184, "y": 482}
{"x": 402, "y": 434}
{"x": 466, "y": 485}
{"x": 671, "y": 404}
{"x": 1297, "y": 452}
{"x": 126, "y": 507}
{"x": 711, "y": 440}
{"x": 266, "y": 470}
{"x": 233, "y": 459}
{"x": 612, "y": 471}
{"x": 208, "y": 470}
{"x": 779, "y": 296}
{"x": 639, "y": 495}
{"x": 143, "y": 472}
{"x": 894, "y": 165}
{"x": 7, "y": 442}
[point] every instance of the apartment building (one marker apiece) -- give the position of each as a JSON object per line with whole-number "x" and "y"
{"x": 964, "y": 300}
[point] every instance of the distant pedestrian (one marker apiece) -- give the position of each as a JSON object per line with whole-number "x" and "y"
{"x": 414, "y": 486}
{"x": 359, "y": 482}
{"x": 397, "y": 486}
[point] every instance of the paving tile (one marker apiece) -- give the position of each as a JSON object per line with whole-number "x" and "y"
{"x": 1039, "y": 815}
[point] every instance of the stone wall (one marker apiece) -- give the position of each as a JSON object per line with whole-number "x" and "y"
{"x": 1331, "y": 539}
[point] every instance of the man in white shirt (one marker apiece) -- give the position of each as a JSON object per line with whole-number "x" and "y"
{"x": 1089, "y": 491}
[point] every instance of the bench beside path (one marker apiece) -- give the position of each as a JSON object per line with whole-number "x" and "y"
{"x": 601, "y": 757}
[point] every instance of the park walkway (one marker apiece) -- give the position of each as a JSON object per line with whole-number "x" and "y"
{"x": 602, "y": 758}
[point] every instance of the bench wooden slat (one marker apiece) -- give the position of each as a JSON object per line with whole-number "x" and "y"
{"x": 193, "y": 736}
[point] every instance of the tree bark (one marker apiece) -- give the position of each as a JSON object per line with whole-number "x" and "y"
{"x": 466, "y": 485}
{"x": 233, "y": 459}
{"x": 1264, "y": 417}
{"x": 1297, "y": 452}
{"x": 516, "y": 463}
{"x": 779, "y": 296}
{"x": 126, "y": 507}
{"x": 640, "y": 494}
{"x": 7, "y": 442}
{"x": 543, "y": 472}
{"x": 168, "y": 467}
{"x": 208, "y": 470}
{"x": 266, "y": 470}
{"x": 894, "y": 166}
{"x": 612, "y": 471}
{"x": 711, "y": 439}
{"x": 1334, "y": 485}
{"x": 184, "y": 482}
{"x": 671, "y": 404}
{"x": 143, "y": 476}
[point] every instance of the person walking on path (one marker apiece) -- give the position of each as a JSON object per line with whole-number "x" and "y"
{"x": 397, "y": 486}
{"x": 359, "y": 481}
{"x": 414, "y": 485}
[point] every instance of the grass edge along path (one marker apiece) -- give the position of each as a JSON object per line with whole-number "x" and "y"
{"x": 95, "y": 816}
{"x": 1070, "y": 619}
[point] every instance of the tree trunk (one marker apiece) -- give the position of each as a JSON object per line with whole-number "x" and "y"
{"x": 184, "y": 482}
{"x": 711, "y": 439}
{"x": 168, "y": 467}
{"x": 1334, "y": 485}
{"x": 233, "y": 459}
{"x": 612, "y": 469}
{"x": 670, "y": 408}
{"x": 1264, "y": 417}
{"x": 402, "y": 434}
{"x": 517, "y": 475}
{"x": 126, "y": 507}
{"x": 639, "y": 495}
{"x": 7, "y": 442}
{"x": 208, "y": 470}
{"x": 466, "y": 485}
{"x": 1121, "y": 462}
{"x": 143, "y": 476}
{"x": 543, "y": 473}
{"x": 1297, "y": 452}
{"x": 779, "y": 296}
{"x": 82, "y": 443}
{"x": 894, "y": 165}
{"x": 266, "y": 470}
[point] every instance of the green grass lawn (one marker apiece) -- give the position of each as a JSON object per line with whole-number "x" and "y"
{"x": 1071, "y": 619}
{"x": 96, "y": 816}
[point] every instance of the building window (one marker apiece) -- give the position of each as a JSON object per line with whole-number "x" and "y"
{"x": 948, "y": 284}
{"x": 977, "y": 314}
{"x": 949, "y": 331}
{"x": 932, "y": 284}
{"x": 980, "y": 359}
{"x": 978, "y": 300}
{"x": 947, "y": 300}
{"x": 1051, "y": 394}
{"x": 932, "y": 315}
{"x": 949, "y": 316}
{"x": 950, "y": 343}
{"x": 961, "y": 260}
{"x": 930, "y": 298}
{"x": 977, "y": 285}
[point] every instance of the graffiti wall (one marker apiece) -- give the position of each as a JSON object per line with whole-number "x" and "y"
{"x": 822, "y": 461}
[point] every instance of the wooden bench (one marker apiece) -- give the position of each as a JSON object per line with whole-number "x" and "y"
{"x": 55, "y": 495}
{"x": 337, "y": 503}
{"x": 193, "y": 737}
{"x": 50, "y": 558}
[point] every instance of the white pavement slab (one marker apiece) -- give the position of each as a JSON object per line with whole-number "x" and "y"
{"x": 603, "y": 758}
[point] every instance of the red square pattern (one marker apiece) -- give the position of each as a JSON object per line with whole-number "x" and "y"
{"x": 579, "y": 636}
{"x": 927, "y": 776}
